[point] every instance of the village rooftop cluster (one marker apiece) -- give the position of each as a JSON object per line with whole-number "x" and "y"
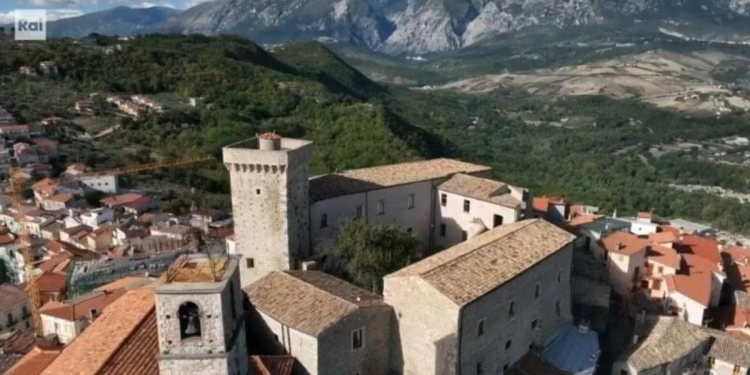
{"x": 507, "y": 283}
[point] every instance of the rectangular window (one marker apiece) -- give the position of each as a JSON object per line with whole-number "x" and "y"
{"x": 497, "y": 221}
{"x": 480, "y": 368}
{"x": 250, "y": 262}
{"x": 661, "y": 269}
{"x": 537, "y": 290}
{"x": 410, "y": 201}
{"x": 464, "y": 235}
{"x": 512, "y": 309}
{"x": 480, "y": 328}
{"x": 558, "y": 310}
{"x": 443, "y": 199}
{"x": 467, "y": 205}
{"x": 358, "y": 338}
{"x": 442, "y": 230}
{"x": 358, "y": 213}
{"x": 534, "y": 323}
{"x": 508, "y": 344}
{"x": 232, "y": 302}
{"x": 381, "y": 207}
{"x": 559, "y": 276}
{"x": 324, "y": 221}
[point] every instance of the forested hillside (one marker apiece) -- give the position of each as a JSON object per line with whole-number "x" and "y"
{"x": 600, "y": 156}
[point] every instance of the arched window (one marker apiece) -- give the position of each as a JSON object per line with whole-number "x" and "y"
{"x": 190, "y": 320}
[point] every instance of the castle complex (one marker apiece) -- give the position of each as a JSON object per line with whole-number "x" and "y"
{"x": 492, "y": 283}
{"x": 495, "y": 280}
{"x": 281, "y": 214}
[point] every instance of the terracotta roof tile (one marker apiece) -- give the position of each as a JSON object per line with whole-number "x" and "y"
{"x": 62, "y": 197}
{"x": 663, "y": 237}
{"x": 100, "y": 342}
{"x": 272, "y": 364}
{"x": 697, "y": 287}
{"x": 309, "y": 301}
{"x": 121, "y": 199}
{"x": 138, "y": 354}
{"x": 541, "y": 204}
{"x": 579, "y": 220}
{"x": 361, "y": 180}
{"x": 52, "y": 282}
{"x": 34, "y": 362}
{"x": 138, "y": 203}
{"x": 484, "y": 189}
{"x": 473, "y": 268}
{"x": 124, "y": 283}
{"x": 624, "y": 243}
{"x": 694, "y": 278}
{"x": 738, "y": 254}
{"x": 52, "y": 263}
{"x": 45, "y": 187}
{"x": 704, "y": 247}
{"x": 11, "y": 296}
{"x": 663, "y": 255}
{"x": 81, "y": 307}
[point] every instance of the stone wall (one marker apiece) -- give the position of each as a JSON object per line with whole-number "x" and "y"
{"x": 222, "y": 346}
{"x": 302, "y": 346}
{"x": 518, "y": 330}
{"x": 211, "y": 321}
{"x": 336, "y": 355}
{"x": 425, "y": 329}
{"x": 270, "y": 204}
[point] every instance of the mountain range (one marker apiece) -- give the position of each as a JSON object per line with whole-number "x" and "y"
{"x": 406, "y": 26}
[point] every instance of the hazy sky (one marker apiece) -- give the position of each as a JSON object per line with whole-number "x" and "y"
{"x": 57, "y": 9}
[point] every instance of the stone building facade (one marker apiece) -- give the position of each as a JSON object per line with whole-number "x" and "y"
{"x": 270, "y": 202}
{"x": 199, "y": 314}
{"x": 281, "y": 214}
{"x": 330, "y": 326}
{"x": 477, "y": 307}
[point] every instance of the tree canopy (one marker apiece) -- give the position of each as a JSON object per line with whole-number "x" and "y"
{"x": 363, "y": 254}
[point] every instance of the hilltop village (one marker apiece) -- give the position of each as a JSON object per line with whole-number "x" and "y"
{"x": 506, "y": 283}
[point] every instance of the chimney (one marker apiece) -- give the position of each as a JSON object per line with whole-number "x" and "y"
{"x": 309, "y": 265}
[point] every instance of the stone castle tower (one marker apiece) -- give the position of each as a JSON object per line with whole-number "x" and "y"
{"x": 199, "y": 315}
{"x": 270, "y": 203}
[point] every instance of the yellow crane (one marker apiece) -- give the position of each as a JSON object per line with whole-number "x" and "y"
{"x": 24, "y": 237}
